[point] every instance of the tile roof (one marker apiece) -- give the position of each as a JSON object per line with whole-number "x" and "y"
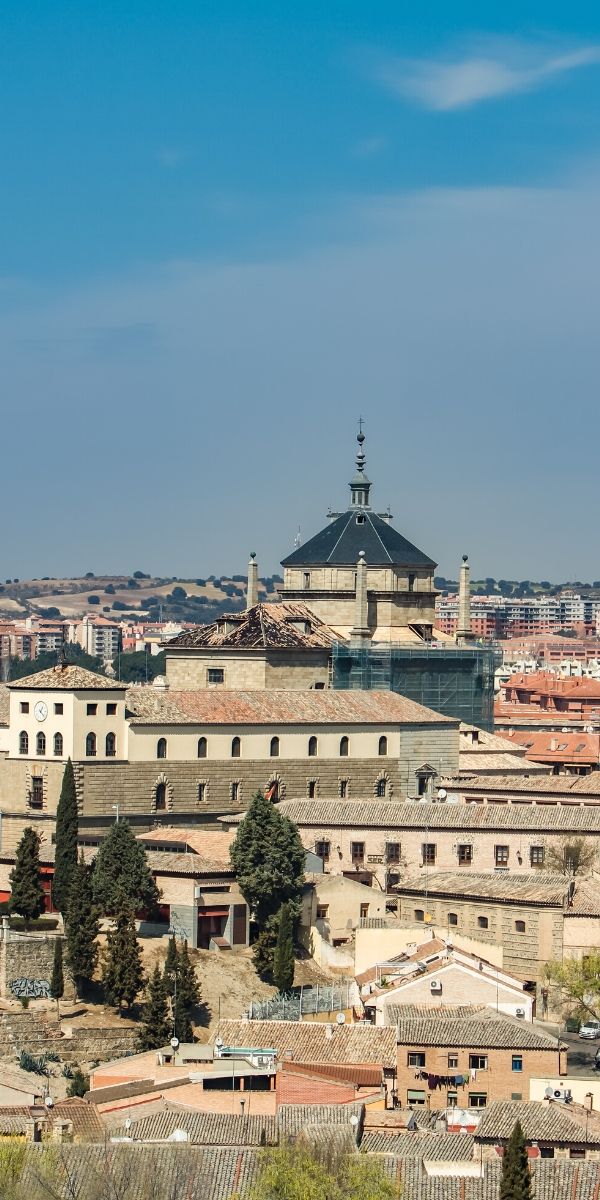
{"x": 483, "y": 1029}
{"x": 292, "y": 1118}
{"x": 341, "y": 542}
{"x": 539, "y": 1122}
{"x": 68, "y": 677}
{"x": 403, "y": 814}
{"x": 359, "y": 1074}
{"x": 205, "y": 1128}
{"x": 537, "y": 888}
{"x": 277, "y": 626}
{"x": 14, "y": 1118}
{"x": 580, "y": 785}
{"x": 586, "y": 899}
{"x": 447, "y": 1147}
{"x": 310, "y": 1041}
{"x": 469, "y": 762}
{"x": 208, "y": 845}
{"x": 212, "y": 706}
{"x": 552, "y": 1180}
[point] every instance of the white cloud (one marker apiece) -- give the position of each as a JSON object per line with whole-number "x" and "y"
{"x": 496, "y": 68}
{"x": 369, "y": 147}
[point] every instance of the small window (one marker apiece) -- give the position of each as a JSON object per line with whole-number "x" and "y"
{"x": 90, "y": 745}
{"x": 501, "y": 855}
{"x": 411, "y": 582}
{"x": 202, "y": 747}
{"x": 477, "y": 1099}
{"x": 111, "y": 710}
{"x": 235, "y": 792}
{"x": 24, "y": 706}
{"x": 201, "y": 793}
{"x": 111, "y": 745}
{"x": 520, "y": 926}
{"x": 344, "y": 743}
{"x": 536, "y": 856}
{"x": 517, "y": 1062}
{"x": 161, "y": 748}
{"x": 36, "y": 797}
{"x": 274, "y": 747}
{"x": 483, "y": 923}
{"x": 392, "y": 851}
{"x": 453, "y": 918}
{"x": 161, "y": 797}
{"x": 478, "y": 1062}
{"x": 415, "y": 1097}
{"x": 58, "y": 709}
{"x": 306, "y": 579}
{"x": 516, "y": 1095}
{"x": 428, "y": 852}
{"x": 322, "y": 912}
{"x": 364, "y": 912}
{"x": 91, "y": 710}
{"x": 577, "y": 1152}
{"x": 322, "y": 850}
{"x": 465, "y": 855}
{"x": 23, "y": 742}
{"x": 419, "y": 914}
{"x": 452, "y": 1099}
{"x": 452, "y": 1062}
{"x": 416, "y": 1058}
{"x": 58, "y": 744}
{"x": 312, "y": 789}
{"x": 236, "y": 747}
{"x": 313, "y": 746}
{"x": 40, "y": 743}
{"x": 546, "y": 1151}
{"x": 357, "y": 851}
{"x": 423, "y": 781}
{"x": 215, "y": 675}
{"x": 381, "y": 788}
{"x": 383, "y": 746}
{"x": 343, "y": 789}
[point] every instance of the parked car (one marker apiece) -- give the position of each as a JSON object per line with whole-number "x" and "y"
{"x": 590, "y": 1030}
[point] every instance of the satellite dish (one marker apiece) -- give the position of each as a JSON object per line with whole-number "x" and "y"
{"x": 341, "y": 1018}
{"x": 442, "y": 793}
{"x": 179, "y": 1135}
{"x": 548, "y": 1093}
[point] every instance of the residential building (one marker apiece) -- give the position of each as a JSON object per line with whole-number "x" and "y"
{"x": 314, "y": 1042}
{"x": 510, "y": 617}
{"x": 534, "y": 789}
{"x": 543, "y": 695}
{"x": 551, "y": 1128}
{"x": 97, "y": 635}
{"x": 565, "y": 753}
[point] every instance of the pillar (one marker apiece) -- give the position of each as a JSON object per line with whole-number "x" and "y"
{"x": 360, "y": 630}
{"x": 252, "y": 590}
{"x": 463, "y": 629}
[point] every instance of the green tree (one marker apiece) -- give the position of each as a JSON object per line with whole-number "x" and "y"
{"x": 67, "y": 825}
{"x": 122, "y": 973}
{"x": 121, "y": 872}
{"x": 81, "y": 927}
{"x": 138, "y": 667}
{"x": 27, "y": 893}
{"x": 283, "y": 957}
{"x": 579, "y": 982}
{"x": 296, "y": 1171}
{"x": 171, "y": 966}
{"x": 181, "y": 984}
{"x": 515, "y": 1182}
{"x": 79, "y": 1084}
{"x": 57, "y": 979}
{"x": 156, "y": 1028}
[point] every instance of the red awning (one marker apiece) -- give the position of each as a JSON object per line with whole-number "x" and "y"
{"x": 212, "y": 912}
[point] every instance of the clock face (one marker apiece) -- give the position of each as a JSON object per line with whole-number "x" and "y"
{"x": 40, "y": 711}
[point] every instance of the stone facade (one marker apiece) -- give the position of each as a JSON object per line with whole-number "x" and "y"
{"x": 498, "y": 1081}
{"x": 26, "y": 967}
{"x": 188, "y": 669}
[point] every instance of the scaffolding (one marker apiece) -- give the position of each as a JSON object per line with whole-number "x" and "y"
{"x": 303, "y": 1001}
{"x": 457, "y": 681}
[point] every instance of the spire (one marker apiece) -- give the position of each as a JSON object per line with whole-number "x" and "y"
{"x": 463, "y": 629}
{"x": 360, "y": 631}
{"x": 360, "y": 486}
{"x": 252, "y": 589}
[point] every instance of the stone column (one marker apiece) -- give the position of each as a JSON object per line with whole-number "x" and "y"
{"x": 463, "y": 629}
{"x": 252, "y": 590}
{"x": 360, "y": 630}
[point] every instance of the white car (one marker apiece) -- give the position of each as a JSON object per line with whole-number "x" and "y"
{"x": 590, "y": 1030}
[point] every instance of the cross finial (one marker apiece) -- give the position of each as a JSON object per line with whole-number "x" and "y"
{"x": 361, "y": 421}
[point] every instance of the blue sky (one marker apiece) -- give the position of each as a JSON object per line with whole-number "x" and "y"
{"x": 228, "y": 229}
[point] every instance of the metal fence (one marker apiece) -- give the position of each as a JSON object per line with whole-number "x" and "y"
{"x": 303, "y": 1001}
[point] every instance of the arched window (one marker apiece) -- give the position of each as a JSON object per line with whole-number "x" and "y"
{"x": 90, "y": 745}
{"x": 381, "y": 788}
{"x": 161, "y": 797}
{"x": 40, "y": 743}
{"x": 111, "y": 745}
{"x": 58, "y": 744}
{"x": 202, "y": 747}
{"x": 23, "y": 742}
{"x": 236, "y": 747}
{"x": 383, "y": 745}
{"x": 313, "y": 746}
{"x": 274, "y": 747}
{"x": 161, "y": 748}
{"x": 453, "y": 918}
{"x": 344, "y": 747}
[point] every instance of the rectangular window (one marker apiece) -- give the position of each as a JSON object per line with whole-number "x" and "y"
{"x": 201, "y": 793}
{"x": 322, "y": 850}
{"x": 416, "y": 1058}
{"x": 343, "y": 788}
{"x": 536, "y": 856}
{"x": 392, "y": 851}
{"x": 24, "y": 706}
{"x": 322, "y": 912}
{"x": 517, "y": 1062}
{"x": 577, "y": 1152}
{"x": 501, "y": 855}
{"x": 111, "y": 710}
{"x": 306, "y": 579}
{"x": 452, "y": 1061}
{"x": 235, "y": 792}
{"x": 58, "y": 709}
{"x": 483, "y": 923}
{"x": 428, "y": 851}
{"x": 37, "y": 792}
{"x": 357, "y": 851}
{"x": 215, "y": 675}
{"x": 516, "y": 1095}
{"x": 414, "y": 1096}
{"x": 364, "y": 912}
{"x": 546, "y": 1151}
{"x": 452, "y": 1099}
{"x": 91, "y": 709}
{"x": 465, "y": 855}
{"x": 312, "y": 789}
{"x": 478, "y": 1062}
{"x": 477, "y": 1099}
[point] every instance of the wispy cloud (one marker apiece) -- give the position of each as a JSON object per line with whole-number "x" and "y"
{"x": 489, "y": 70}
{"x": 369, "y": 147}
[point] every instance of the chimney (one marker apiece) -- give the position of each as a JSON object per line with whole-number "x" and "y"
{"x": 360, "y": 631}
{"x": 252, "y": 590}
{"x": 329, "y": 1031}
{"x": 463, "y": 629}
{"x": 588, "y": 1101}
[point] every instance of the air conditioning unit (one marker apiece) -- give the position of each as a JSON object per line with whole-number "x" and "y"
{"x": 435, "y": 987}
{"x": 519, "y": 1012}
{"x": 564, "y": 1095}
{"x": 263, "y": 1061}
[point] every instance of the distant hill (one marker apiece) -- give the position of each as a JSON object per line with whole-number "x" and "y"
{"x": 518, "y": 588}
{"x": 137, "y": 595}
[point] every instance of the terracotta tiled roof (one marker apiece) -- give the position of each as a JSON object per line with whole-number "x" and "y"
{"x": 358, "y": 1074}
{"x": 309, "y": 1041}
{"x": 400, "y": 814}
{"x": 67, "y": 678}
{"x": 539, "y": 1122}
{"x": 447, "y": 1147}
{"x": 210, "y": 845}
{"x": 278, "y": 626}
{"x": 586, "y": 899}
{"x": 537, "y": 888}
{"x": 483, "y": 1029}
{"x": 470, "y": 762}
{"x": 579, "y": 785}
{"x": 212, "y": 706}
{"x": 205, "y": 1128}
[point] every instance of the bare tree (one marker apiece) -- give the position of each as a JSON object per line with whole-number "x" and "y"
{"x": 572, "y": 856}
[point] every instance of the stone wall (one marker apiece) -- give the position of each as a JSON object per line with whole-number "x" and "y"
{"x": 26, "y": 967}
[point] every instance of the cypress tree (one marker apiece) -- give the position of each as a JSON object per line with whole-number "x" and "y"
{"x": 187, "y": 983}
{"x": 67, "y": 824}
{"x": 121, "y": 872}
{"x": 57, "y": 981}
{"x": 183, "y": 988}
{"x": 283, "y": 957}
{"x": 182, "y": 1021}
{"x": 122, "y": 975}
{"x": 156, "y": 1029}
{"x": 27, "y": 893}
{"x": 81, "y": 927}
{"x": 515, "y": 1183}
{"x": 171, "y": 965}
